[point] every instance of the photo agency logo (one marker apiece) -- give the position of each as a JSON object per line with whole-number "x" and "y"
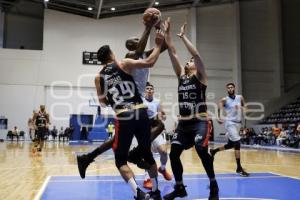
{"x": 120, "y": 92}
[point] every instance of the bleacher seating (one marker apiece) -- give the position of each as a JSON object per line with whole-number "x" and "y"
{"x": 287, "y": 114}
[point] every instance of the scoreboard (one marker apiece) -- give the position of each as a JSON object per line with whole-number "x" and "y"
{"x": 90, "y": 58}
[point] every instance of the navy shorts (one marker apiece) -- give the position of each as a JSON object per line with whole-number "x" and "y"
{"x": 191, "y": 132}
{"x": 128, "y": 124}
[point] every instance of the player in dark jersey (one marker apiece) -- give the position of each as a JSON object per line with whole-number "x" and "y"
{"x": 41, "y": 122}
{"x": 136, "y": 48}
{"x": 192, "y": 128}
{"x": 116, "y": 87}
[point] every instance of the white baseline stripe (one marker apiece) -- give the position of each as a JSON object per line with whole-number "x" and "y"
{"x": 38, "y": 196}
{"x": 195, "y": 178}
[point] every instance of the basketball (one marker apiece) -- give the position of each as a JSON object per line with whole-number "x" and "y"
{"x": 151, "y": 12}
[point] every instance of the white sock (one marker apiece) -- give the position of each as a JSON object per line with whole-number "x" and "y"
{"x": 133, "y": 185}
{"x": 146, "y": 175}
{"x": 154, "y": 184}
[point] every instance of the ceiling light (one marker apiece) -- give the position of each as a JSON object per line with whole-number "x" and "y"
{"x": 46, "y": 0}
{"x": 112, "y": 9}
{"x": 90, "y": 8}
{"x": 156, "y": 3}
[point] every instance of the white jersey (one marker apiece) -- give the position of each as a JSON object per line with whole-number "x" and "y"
{"x": 233, "y": 108}
{"x": 153, "y": 107}
{"x": 140, "y": 77}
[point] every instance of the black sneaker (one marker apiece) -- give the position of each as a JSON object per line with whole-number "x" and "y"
{"x": 179, "y": 191}
{"x": 214, "y": 191}
{"x": 242, "y": 172}
{"x": 83, "y": 162}
{"x": 155, "y": 195}
{"x": 142, "y": 195}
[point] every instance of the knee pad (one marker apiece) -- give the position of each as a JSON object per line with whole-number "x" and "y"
{"x": 237, "y": 145}
{"x": 120, "y": 160}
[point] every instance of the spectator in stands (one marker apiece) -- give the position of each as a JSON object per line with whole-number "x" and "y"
{"x": 245, "y": 137}
{"x": 83, "y": 133}
{"x": 54, "y": 132}
{"x": 281, "y": 138}
{"x": 276, "y": 131}
{"x": 61, "y": 133}
{"x": 16, "y": 133}
{"x": 110, "y": 129}
{"x": 70, "y": 133}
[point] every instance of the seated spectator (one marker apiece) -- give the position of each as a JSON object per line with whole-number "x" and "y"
{"x": 276, "y": 131}
{"x": 54, "y": 133}
{"x": 61, "y": 134}
{"x": 16, "y": 132}
{"x": 83, "y": 133}
{"x": 245, "y": 137}
{"x": 280, "y": 140}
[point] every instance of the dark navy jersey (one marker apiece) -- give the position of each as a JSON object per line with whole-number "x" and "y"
{"x": 41, "y": 119}
{"x": 191, "y": 96}
{"x": 119, "y": 87}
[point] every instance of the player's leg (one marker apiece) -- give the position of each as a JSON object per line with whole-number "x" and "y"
{"x": 159, "y": 145}
{"x": 201, "y": 146}
{"x": 84, "y": 160}
{"x": 142, "y": 135}
{"x": 178, "y": 144}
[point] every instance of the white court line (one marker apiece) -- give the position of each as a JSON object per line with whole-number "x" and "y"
{"x": 195, "y": 178}
{"x": 38, "y": 196}
{"x": 293, "y": 177}
{"x": 239, "y": 198}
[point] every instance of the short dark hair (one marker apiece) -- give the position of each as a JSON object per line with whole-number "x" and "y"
{"x": 228, "y": 84}
{"x": 103, "y": 54}
{"x": 149, "y": 84}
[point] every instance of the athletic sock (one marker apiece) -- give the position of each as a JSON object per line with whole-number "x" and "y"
{"x": 154, "y": 184}
{"x": 133, "y": 185}
{"x": 238, "y": 163}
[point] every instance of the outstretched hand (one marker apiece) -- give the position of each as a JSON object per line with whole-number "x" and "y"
{"x": 182, "y": 30}
{"x": 166, "y": 27}
{"x": 159, "y": 39}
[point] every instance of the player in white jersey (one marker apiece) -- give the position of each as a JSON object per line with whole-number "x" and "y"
{"x": 156, "y": 114}
{"x": 233, "y": 105}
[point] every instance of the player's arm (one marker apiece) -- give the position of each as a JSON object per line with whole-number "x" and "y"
{"x": 201, "y": 72}
{"x": 220, "y": 107}
{"x": 128, "y": 64}
{"x": 243, "y": 104}
{"x": 101, "y": 98}
{"x": 164, "y": 47}
{"x": 161, "y": 112}
{"x": 171, "y": 49}
{"x": 34, "y": 120}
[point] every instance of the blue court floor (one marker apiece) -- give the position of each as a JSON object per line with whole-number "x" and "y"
{"x": 265, "y": 186}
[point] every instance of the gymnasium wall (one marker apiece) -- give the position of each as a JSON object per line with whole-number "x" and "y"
{"x": 291, "y": 43}
{"x": 261, "y": 49}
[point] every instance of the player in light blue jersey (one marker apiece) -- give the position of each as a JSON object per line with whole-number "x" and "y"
{"x": 233, "y": 105}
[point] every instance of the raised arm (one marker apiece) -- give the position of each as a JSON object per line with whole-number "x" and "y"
{"x": 128, "y": 64}
{"x": 171, "y": 49}
{"x": 201, "y": 72}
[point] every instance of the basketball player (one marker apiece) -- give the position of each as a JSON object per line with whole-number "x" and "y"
{"x": 116, "y": 87}
{"x": 41, "y": 122}
{"x": 136, "y": 48}
{"x": 156, "y": 114}
{"x": 233, "y": 105}
{"x": 192, "y": 128}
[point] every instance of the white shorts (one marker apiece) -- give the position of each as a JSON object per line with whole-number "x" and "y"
{"x": 159, "y": 140}
{"x": 233, "y": 130}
